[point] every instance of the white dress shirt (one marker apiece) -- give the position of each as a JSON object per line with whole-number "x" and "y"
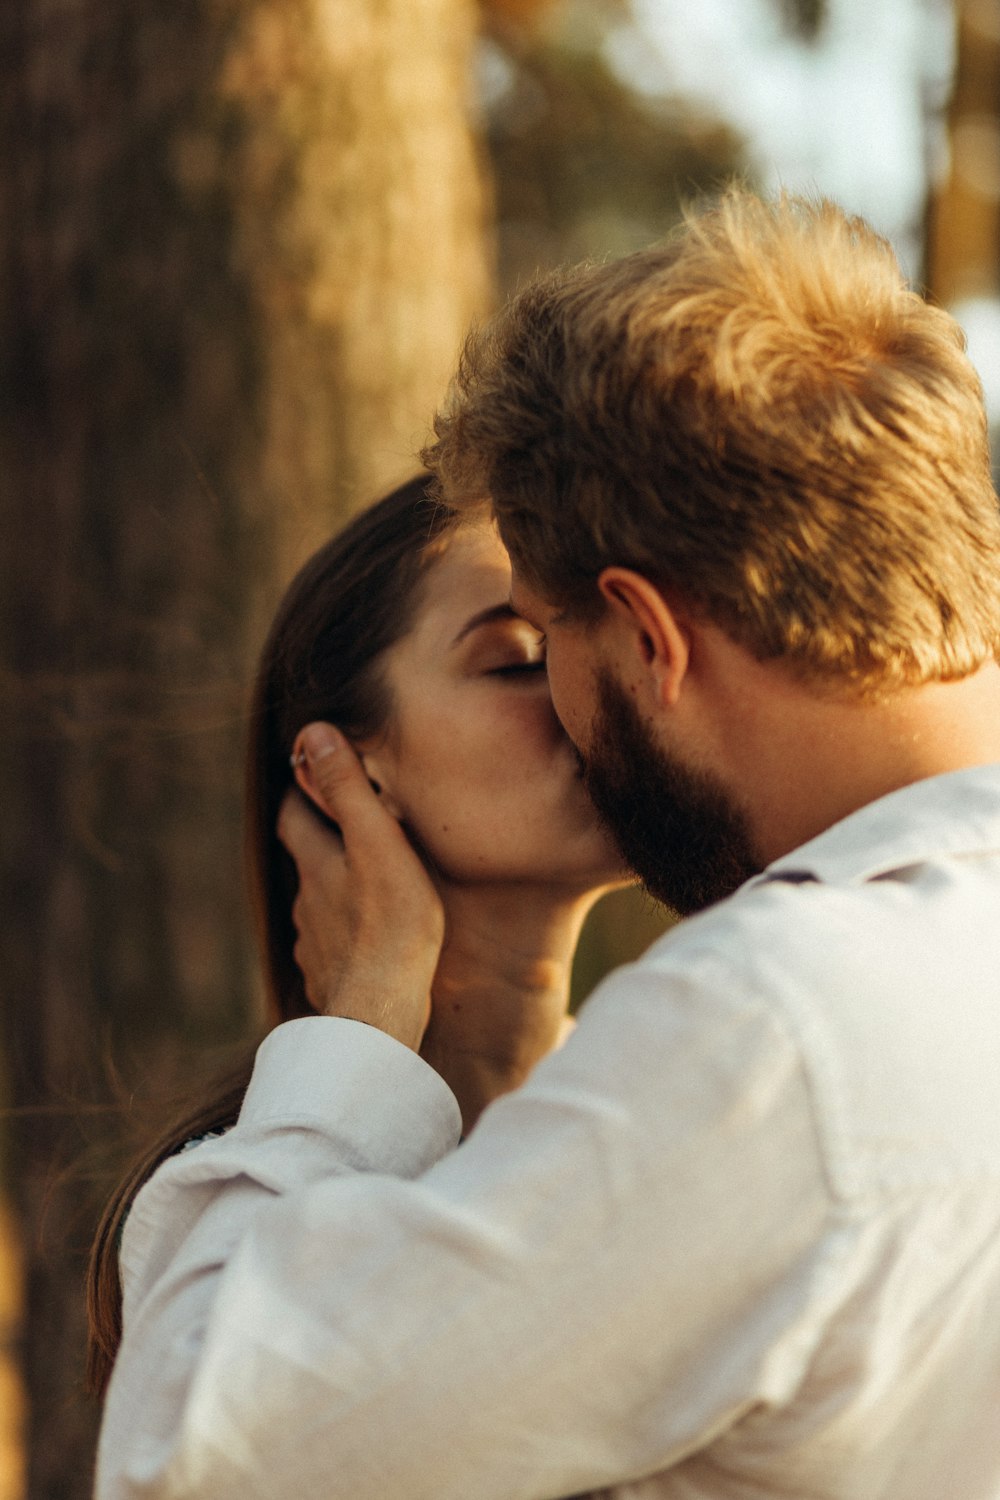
{"x": 738, "y": 1240}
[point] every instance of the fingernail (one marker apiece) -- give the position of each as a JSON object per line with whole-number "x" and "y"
{"x": 319, "y": 741}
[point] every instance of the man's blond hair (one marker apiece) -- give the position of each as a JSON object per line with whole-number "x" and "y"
{"x": 761, "y": 417}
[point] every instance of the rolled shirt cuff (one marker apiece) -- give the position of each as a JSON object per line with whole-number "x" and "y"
{"x": 386, "y": 1109}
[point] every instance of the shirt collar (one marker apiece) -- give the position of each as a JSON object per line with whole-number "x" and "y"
{"x": 954, "y": 814}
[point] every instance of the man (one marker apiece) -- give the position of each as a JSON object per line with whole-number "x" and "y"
{"x": 742, "y": 1236}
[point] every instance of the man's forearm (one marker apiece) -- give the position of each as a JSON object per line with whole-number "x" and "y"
{"x": 327, "y": 1328}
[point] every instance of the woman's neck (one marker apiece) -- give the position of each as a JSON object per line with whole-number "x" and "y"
{"x": 501, "y": 991}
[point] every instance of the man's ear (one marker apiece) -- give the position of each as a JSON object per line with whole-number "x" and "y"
{"x": 651, "y": 633}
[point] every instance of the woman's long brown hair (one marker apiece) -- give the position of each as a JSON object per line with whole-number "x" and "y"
{"x": 352, "y": 600}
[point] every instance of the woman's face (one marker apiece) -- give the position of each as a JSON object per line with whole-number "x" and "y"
{"x": 475, "y": 761}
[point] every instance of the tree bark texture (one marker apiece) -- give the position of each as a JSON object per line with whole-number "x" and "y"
{"x": 240, "y": 241}
{"x": 964, "y": 232}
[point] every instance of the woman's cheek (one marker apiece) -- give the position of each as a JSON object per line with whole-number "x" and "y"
{"x": 479, "y": 835}
{"x": 438, "y": 815}
{"x": 470, "y": 801}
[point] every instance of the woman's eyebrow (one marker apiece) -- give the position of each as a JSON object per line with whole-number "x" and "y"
{"x": 486, "y": 617}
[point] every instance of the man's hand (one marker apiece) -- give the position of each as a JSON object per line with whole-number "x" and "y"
{"x": 369, "y": 921}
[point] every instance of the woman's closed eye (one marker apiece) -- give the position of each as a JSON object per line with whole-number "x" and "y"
{"x": 516, "y": 668}
{"x": 506, "y": 648}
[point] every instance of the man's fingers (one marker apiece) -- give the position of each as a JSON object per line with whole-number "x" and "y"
{"x": 329, "y": 768}
{"x": 369, "y": 921}
{"x": 302, "y": 833}
{"x": 329, "y": 771}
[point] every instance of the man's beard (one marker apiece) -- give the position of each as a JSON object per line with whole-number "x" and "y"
{"x": 678, "y": 829}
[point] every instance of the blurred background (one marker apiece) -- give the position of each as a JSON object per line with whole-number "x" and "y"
{"x": 240, "y": 241}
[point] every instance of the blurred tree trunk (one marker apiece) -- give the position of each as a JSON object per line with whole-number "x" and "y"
{"x": 964, "y": 229}
{"x": 11, "y": 1388}
{"x": 239, "y": 243}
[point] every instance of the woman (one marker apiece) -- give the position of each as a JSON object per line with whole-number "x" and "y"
{"x": 400, "y": 631}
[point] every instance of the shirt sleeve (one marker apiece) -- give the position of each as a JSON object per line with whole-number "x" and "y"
{"x": 332, "y": 1302}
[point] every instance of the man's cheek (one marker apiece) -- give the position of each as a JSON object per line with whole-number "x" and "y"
{"x": 571, "y": 707}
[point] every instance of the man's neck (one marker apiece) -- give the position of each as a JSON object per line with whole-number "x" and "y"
{"x": 812, "y": 760}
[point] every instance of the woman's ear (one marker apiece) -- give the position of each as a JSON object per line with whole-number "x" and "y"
{"x": 375, "y": 770}
{"x": 650, "y": 632}
{"x": 381, "y": 780}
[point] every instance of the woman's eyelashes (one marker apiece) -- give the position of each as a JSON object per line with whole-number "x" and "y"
{"x": 518, "y": 668}
{"x": 511, "y": 652}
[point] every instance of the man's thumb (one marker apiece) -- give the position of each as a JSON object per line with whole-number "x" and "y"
{"x": 323, "y": 766}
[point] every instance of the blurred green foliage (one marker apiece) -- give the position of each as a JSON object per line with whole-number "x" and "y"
{"x": 584, "y": 166}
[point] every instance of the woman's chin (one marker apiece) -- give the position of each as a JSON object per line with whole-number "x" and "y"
{"x": 605, "y": 872}
{"x": 612, "y": 878}
{"x": 574, "y": 878}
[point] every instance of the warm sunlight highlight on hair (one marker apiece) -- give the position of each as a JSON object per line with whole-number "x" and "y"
{"x": 762, "y": 417}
